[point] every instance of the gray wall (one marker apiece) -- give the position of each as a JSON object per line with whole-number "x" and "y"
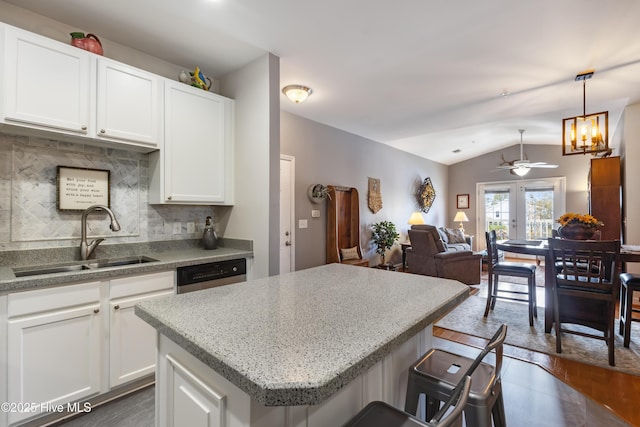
{"x": 330, "y": 156}
{"x": 463, "y": 176}
{"x": 631, "y": 176}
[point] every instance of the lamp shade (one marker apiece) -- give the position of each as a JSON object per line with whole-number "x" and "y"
{"x": 416, "y": 218}
{"x": 461, "y": 217}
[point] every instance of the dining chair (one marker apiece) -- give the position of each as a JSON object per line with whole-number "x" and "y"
{"x": 381, "y": 414}
{"x": 437, "y": 372}
{"x": 497, "y": 268}
{"x": 585, "y": 296}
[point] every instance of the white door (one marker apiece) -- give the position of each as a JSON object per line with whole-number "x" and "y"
{"x": 287, "y": 215}
{"x": 523, "y": 210}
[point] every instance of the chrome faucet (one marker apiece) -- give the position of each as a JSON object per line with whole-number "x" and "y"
{"x": 87, "y": 249}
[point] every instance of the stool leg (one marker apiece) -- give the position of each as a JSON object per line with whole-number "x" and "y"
{"x": 499, "y": 419}
{"x": 477, "y": 416}
{"x": 489, "y": 297}
{"x": 494, "y": 296}
{"x": 433, "y": 405}
{"x": 623, "y": 308}
{"x": 413, "y": 395}
{"x": 628, "y": 312}
{"x": 530, "y": 302}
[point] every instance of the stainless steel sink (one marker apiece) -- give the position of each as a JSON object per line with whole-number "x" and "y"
{"x": 79, "y": 266}
{"x": 115, "y": 262}
{"x": 49, "y": 269}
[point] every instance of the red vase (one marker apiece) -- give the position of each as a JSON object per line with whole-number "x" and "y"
{"x": 577, "y": 232}
{"x": 91, "y": 42}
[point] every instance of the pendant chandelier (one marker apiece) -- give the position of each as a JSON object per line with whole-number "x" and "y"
{"x": 586, "y": 133}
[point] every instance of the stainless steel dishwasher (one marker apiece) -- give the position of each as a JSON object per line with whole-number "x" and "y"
{"x": 210, "y": 275}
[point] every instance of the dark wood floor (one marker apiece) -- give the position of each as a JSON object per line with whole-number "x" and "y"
{"x": 612, "y": 389}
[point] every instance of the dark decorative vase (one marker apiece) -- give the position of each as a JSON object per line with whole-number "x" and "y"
{"x": 209, "y": 238}
{"x": 577, "y": 232}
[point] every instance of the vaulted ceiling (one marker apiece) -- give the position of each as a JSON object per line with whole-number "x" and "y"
{"x": 429, "y": 77}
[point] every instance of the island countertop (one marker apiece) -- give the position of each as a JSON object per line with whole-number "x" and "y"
{"x": 297, "y": 338}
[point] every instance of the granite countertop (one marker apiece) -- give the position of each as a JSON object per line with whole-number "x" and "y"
{"x": 297, "y": 338}
{"x": 169, "y": 255}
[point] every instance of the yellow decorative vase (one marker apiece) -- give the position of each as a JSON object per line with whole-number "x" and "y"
{"x": 577, "y": 232}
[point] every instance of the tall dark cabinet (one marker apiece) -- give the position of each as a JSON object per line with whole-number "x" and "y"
{"x": 605, "y": 195}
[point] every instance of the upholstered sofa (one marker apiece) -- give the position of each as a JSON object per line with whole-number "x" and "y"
{"x": 430, "y": 255}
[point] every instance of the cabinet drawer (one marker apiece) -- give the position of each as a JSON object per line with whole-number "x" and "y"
{"x": 30, "y": 302}
{"x": 145, "y": 283}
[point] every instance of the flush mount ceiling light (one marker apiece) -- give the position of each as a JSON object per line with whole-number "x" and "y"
{"x": 586, "y": 133}
{"x": 297, "y": 93}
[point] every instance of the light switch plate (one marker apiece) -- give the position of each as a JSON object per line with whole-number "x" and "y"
{"x": 315, "y": 213}
{"x": 191, "y": 227}
{"x": 302, "y": 223}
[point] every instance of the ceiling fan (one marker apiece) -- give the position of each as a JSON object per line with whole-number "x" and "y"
{"x": 521, "y": 167}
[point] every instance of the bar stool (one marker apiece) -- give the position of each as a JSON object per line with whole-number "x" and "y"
{"x": 628, "y": 284}
{"x": 437, "y": 371}
{"x": 381, "y": 414}
{"x": 497, "y": 268}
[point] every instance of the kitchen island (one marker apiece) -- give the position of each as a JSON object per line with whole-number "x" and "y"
{"x": 306, "y": 348}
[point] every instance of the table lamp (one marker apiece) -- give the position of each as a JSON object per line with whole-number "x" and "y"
{"x": 416, "y": 218}
{"x": 461, "y": 217}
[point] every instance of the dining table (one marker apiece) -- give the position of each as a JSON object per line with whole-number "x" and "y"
{"x": 628, "y": 253}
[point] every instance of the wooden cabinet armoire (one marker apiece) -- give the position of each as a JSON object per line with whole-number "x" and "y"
{"x": 605, "y": 195}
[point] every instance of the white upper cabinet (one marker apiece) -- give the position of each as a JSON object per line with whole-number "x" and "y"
{"x": 45, "y": 84}
{"x": 128, "y": 104}
{"x": 51, "y": 86}
{"x": 196, "y": 164}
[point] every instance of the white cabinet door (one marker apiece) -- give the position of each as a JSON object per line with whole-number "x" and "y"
{"x": 54, "y": 352}
{"x": 190, "y": 401}
{"x": 197, "y": 155}
{"x": 128, "y": 104}
{"x": 45, "y": 83}
{"x": 132, "y": 341}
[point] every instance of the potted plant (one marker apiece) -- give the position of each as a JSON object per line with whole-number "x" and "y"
{"x": 318, "y": 192}
{"x": 384, "y": 236}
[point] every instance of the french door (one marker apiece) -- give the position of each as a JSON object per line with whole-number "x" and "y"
{"x": 522, "y": 210}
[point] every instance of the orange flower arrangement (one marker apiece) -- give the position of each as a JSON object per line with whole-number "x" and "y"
{"x": 584, "y": 219}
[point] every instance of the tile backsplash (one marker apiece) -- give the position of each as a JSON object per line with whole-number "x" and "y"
{"x": 29, "y": 217}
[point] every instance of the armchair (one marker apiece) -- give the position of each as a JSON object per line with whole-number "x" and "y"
{"x": 428, "y": 255}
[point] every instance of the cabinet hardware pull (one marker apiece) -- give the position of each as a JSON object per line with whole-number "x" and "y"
{"x": 169, "y": 198}
{"x": 103, "y": 131}
{"x": 83, "y": 128}
{"x": 116, "y": 307}
{"x": 96, "y": 310}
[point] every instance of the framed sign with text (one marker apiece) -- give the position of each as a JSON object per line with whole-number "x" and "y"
{"x": 79, "y": 188}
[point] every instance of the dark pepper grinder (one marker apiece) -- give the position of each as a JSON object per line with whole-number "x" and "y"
{"x": 209, "y": 238}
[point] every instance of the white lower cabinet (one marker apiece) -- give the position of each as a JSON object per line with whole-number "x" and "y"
{"x": 64, "y": 342}
{"x": 132, "y": 341}
{"x": 54, "y": 351}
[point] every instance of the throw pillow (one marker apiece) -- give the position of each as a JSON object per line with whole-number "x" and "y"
{"x": 443, "y": 235}
{"x": 349, "y": 253}
{"x": 455, "y": 235}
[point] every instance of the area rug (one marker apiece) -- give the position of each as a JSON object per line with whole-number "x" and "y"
{"x": 468, "y": 318}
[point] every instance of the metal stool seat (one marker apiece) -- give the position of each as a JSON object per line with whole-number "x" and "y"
{"x": 628, "y": 284}
{"x": 381, "y": 414}
{"x": 436, "y": 373}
